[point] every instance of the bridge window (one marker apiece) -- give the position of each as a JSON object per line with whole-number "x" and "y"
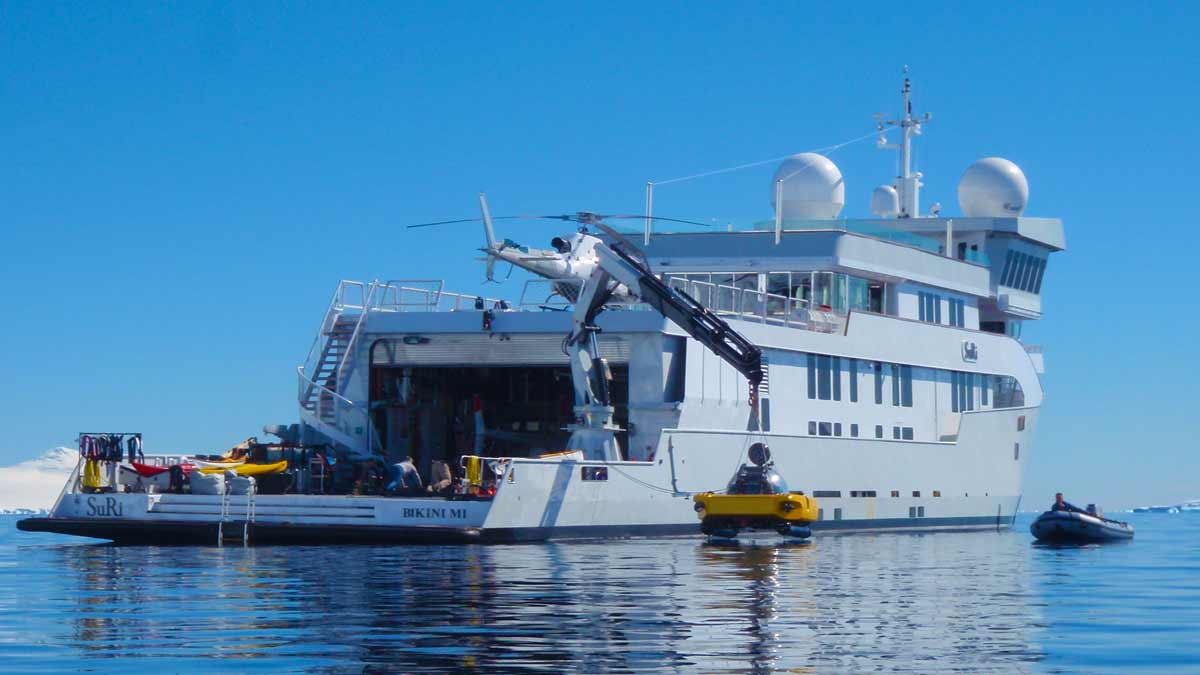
{"x": 1023, "y": 271}
{"x": 853, "y": 370}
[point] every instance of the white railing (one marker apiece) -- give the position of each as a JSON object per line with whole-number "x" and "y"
{"x": 338, "y": 304}
{"x": 426, "y": 295}
{"x": 549, "y": 294}
{"x": 305, "y": 383}
{"x": 754, "y": 305}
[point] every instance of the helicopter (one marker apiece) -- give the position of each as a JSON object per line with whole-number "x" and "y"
{"x": 570, "y": 258}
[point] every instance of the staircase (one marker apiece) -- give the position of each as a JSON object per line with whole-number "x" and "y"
{"x": 337, "y": 343}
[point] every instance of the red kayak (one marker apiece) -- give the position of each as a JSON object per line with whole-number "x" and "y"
{"x": 148, "y": 471}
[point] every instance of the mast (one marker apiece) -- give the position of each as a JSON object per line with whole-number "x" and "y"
{"x": 908, "y": 184}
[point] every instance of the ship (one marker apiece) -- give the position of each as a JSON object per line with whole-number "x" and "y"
{"x": 880, "y": 359}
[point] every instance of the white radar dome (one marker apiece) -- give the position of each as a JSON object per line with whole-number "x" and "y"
{"x": 812, "y": 187}
{"x": 885, "y": 202}
{"x": 993, "y": 187}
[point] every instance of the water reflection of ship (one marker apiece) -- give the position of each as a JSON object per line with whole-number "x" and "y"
{"x": 842, "y": 604}
{"x": 752, "y": 609}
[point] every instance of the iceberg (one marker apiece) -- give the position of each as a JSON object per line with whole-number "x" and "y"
{"x": 34, "y": 484}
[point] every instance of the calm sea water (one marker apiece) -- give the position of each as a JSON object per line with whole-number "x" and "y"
{"x": 960, "y": 602}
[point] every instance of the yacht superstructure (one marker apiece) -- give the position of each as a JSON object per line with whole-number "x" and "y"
{"x": 880, "y": 359}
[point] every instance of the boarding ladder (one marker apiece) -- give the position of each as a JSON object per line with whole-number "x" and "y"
{"x": 230, "y": 534}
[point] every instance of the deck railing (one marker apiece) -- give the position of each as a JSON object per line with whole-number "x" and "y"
{"x": 754, "y": 305}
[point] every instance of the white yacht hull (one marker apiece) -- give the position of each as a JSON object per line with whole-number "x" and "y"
{"x": 540, "y": 499}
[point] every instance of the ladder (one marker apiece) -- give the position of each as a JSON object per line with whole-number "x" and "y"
{"x": 225, "y": 536}
{"x": 325, "y": 373}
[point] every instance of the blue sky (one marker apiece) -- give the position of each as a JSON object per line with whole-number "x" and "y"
{"x": 181, "y": 185}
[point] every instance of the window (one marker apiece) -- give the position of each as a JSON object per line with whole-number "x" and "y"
{"x": 916, "y": 493}
{"x": 812, "y": 428}
{"x": 958, "y": 312}
{"x": 902, "y": 391}
{"x": 824, "y": 379}
{"x": 1008, "y": 393}
{"x": 1009, "y": 258}
{"x": 962, "y": 391}
{"x": 930, "y": 307}
{"x": 837, "y": 428}
{"x": 852, "y": 368}
{"x": 820, "y": 514}
{"x": 1037, "y": 284}
{"x": 837, "y": 378}
{"x": 826, "y": 429}
{"x": 1016, "y": 451}
{"x": 985, "y": 386}
{"x": 878, "y": 383}
{"x": 906, "y": 433}
{"x": 827, "y": 494}
{"x": 912, "y": 512}
{"x": 854, "y": 431}
{"x": 895, "y": 493}
{"x": 920, "y": 511}
{"x": 937, "y": 493}
{"x": 1019, "y": 271}
{"x": 812, "y": 376}
{"x": 594, "y": 473}
{"x": 878, "y": 431}
{"x": 837, "y": 514}
{"x": 1021, "y": 423}
{"x": 1027, "y": 282}
{"x": 896, "y": 433}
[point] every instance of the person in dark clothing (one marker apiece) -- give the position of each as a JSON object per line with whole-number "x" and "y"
{"x": 1062, "y": 505}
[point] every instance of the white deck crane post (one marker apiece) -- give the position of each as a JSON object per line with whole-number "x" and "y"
{"x": 595, "y": 433}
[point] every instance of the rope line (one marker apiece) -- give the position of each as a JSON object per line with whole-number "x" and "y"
{"x": 739, "y": 167}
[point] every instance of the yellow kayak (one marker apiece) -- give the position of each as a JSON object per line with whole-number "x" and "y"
{"x": 249, "y": 469}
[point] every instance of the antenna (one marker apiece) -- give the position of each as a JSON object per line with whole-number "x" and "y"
{"x": 908, "y": 184}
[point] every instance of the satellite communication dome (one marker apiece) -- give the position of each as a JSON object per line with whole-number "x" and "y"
{"x": 885, "y": 202}
{"x": 812, "y": 187}
{"x": 993, "y": 187}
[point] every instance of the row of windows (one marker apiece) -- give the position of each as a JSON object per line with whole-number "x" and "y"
{"x": 913, "y": 512}
{"x": 830, "y": 429}
{"x": 902, "y": 389}
{"x": 930, "y": 309}
{"x": 834, "y": 429}
{"x": 830, "y": 290}
{"x": 837, "y": 494}
{"x": 825, "y": 380}
{"x": 1008, "y": 392}
{"x": 1023, "y": 271}
{"x": 958, "y": 312}
{"x": 825, "y": 384}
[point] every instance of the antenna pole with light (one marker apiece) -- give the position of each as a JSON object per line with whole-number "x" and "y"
{"x": 908, "y": 184}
